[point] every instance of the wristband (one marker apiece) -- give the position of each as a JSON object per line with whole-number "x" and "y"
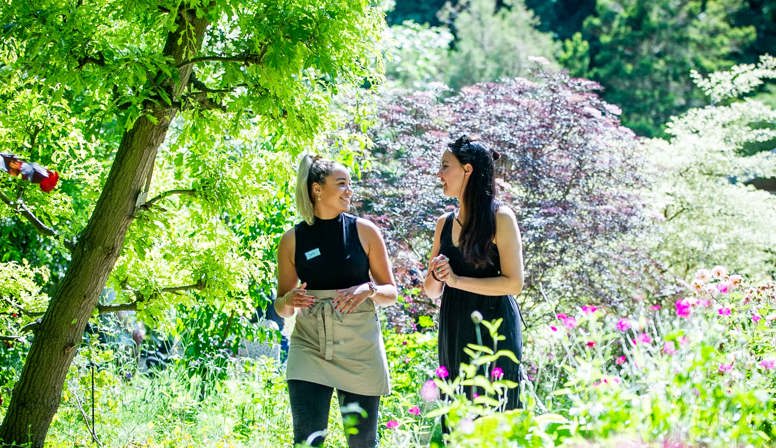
{"x": 435, "y": 277}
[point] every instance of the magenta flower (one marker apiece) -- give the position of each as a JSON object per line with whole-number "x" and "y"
{"x": 768, "y": 364}
{"x": 589, "y": 309}
{"x": 568, "y": 322}
{"x": 682, "y": 308}
{"x": 442, "y": 372}
{"x": 724, "y": 311}
{"x": 497, "y": 373}
{"x": 429, "y": 392}
{"x": 724, "y": 368}
{"x": 644, "y": 338}
{"x": 724, "y": 287}
{"x": 620, "y": 360}
{"x": 623, "y": 325}
{"x": 414, "y": 411}
{"x": 756, "y": 318}
{"x": 655, "y": 307}
{"x": 392, "y": 424}
{"x": 590, "y": 344}
{"x": 553, "y": 328}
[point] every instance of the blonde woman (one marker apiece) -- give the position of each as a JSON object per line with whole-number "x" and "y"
{"x": 333, "y": 271}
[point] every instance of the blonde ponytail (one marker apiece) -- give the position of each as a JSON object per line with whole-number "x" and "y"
{"x": 304, "y": 204}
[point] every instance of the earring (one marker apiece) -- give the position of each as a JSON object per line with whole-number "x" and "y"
{"x": 318, "y": 197}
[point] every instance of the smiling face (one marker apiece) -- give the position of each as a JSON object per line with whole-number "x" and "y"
{"x": 453, "y": 175}
{"x": 333, "y": 196}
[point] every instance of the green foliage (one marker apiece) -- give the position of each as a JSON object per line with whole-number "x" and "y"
{"x": 73, "y": 79}
{"x": 494, "y": 42}
{"x": 708, "y": 212}
{"x": 642, "y": 52}
{"x": 416, "y": 55}
{"x": 698, "y": 372}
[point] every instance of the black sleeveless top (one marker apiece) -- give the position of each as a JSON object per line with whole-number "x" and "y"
{"x": 329, "y": 254}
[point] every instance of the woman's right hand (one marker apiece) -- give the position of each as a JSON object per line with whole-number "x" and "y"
{"x": 298, "y": 297}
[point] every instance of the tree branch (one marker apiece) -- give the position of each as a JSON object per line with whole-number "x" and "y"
{"x": 132, "y": 306}
{"x": 21, "y": 208}
{"x": 150, "y": 203}
{"x": 246, "y": 59}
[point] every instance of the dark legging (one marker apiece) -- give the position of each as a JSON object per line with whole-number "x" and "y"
{"x": 310, "y": 411}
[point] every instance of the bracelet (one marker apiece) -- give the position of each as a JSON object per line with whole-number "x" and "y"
{"x": 435, "y": 277}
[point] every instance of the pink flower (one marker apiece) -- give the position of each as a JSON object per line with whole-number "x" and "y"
{"x": 590, "y": 344}
{"x": 718, "y": 271}
{"x": 620, "y": 360}
{"x": 735, "y": 280}
{"x": 655, "y": 307}
{"x": 703, "y": 275}
{"x": 644, "y": 338}
{"x": 568, "y": 322}
{"x": 768, "y": 364}
{"x": 466, "y": 426}
{"x": 756, "y": 318}
{"x": 429, "y": 392}
{"x": 414, "y": 411}
{"x": 497, "y": 373}
{"x": 724, "y": 368}
{"x": 392, "y": 424}
{"x": 669, "y": 348}
{"x": 697, "y": 285}
{"x": 623, "y": 325}
{"x": 442, "y": 372}
{"x": 589, "y": 309}
{"x": 724, "y": 287}
{"x": 682, "y": 308}
{"x": 724, "y": 311}
{"x": 553, "y": 328}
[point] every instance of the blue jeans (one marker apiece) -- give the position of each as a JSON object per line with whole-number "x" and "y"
{"x": 310, "y": 412}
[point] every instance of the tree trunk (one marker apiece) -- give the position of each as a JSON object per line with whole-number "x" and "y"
{"x": 38, "y": 392}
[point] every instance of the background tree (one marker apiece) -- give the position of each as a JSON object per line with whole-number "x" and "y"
{"x": 493, "y": 41}
{"x": 709, "y": 213}
{"x": 642, "y": 53}
{"x": 221, "y": 91}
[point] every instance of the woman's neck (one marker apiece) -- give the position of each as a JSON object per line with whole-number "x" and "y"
{"x": 462, "y": 212}
{"x": 326, "y": 213}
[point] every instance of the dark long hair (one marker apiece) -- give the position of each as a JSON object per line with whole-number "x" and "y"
{"x": 479, "y": 199}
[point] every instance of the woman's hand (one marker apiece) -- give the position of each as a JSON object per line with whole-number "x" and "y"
{"x": 443, "y": 272}
{"x": 349, "y": 299}
{"x": 298, "y": 297}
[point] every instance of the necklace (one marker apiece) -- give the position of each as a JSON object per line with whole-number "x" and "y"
{"x": 459, "y": 222}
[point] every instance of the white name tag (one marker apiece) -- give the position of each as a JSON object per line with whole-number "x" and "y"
{"x": 310, "y": 254}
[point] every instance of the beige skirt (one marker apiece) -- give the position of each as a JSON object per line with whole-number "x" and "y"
{"x": 344, "y": 351}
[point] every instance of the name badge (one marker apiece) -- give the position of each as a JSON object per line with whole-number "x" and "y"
{"x": 310, "y": 254}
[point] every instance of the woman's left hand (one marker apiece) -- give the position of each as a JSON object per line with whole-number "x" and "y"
{"x": 349, "y": 299}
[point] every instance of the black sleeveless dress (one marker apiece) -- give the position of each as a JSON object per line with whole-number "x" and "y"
{"x": 456, "y": 328}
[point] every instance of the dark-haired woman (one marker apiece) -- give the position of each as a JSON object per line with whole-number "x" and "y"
{"x": 476, "y": 262}
{"x": 333, "y": 271}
